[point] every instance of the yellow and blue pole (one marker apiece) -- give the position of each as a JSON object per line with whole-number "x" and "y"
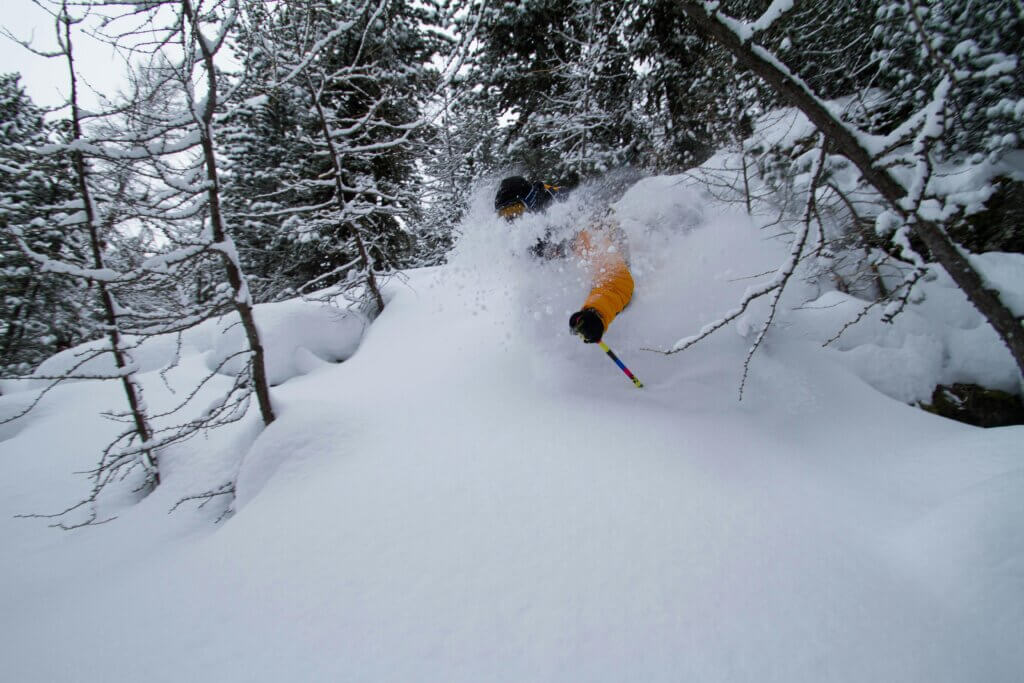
{"x": 604, "y": 347}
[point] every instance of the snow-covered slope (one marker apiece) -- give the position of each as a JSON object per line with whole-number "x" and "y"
{"x": 474, "y": 495}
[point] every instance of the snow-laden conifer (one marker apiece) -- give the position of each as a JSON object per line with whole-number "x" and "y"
{"x": 40, "y": 313}
{"x": 342, "y": 87}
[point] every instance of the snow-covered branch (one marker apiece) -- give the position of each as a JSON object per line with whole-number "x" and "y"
{"x": 855, "y": 146}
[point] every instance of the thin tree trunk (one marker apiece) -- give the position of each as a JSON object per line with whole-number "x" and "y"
{"x": 339, "y": 197}
{"x": 942, "y": 248}
{"x": 746, "y": 179}
{"x": 19, "y": 316}
{"x": 131, "y": 390}
{"x": 242, "y": 298}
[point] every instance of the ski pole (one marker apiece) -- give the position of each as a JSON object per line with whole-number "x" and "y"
{"x": 636, "y": 382}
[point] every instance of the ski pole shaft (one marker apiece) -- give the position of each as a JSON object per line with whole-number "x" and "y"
{"x": 622, "y": 366}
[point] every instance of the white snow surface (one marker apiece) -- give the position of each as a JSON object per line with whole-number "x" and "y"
{"x": 297, "y": 336}
{"x": 474, "y": 495}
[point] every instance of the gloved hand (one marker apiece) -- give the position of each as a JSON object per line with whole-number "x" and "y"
{"x": 588, "y": 324}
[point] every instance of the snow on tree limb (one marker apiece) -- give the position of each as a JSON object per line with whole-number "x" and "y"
{"x": 851, "y": 144}
{"x": 774, "y": 12}
{"x": 789, "y": 267}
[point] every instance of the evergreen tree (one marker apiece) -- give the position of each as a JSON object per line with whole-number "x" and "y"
{"x": 457, "y": 152}
{"x": 460, "y": 146}
{"x": 972, "y": 51}
{"x": 40, "y": 313}
{"x": 587, "y": 118}
{"x": 271, "y": 174}
{"x": 556, "y": 80}
{"x": 341, "y": 89}
{"x": 695, "y": 100}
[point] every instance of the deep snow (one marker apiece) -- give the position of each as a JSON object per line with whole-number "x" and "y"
{"x": 474, "y": 495}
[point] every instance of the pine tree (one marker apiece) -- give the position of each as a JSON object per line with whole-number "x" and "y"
{"x": 972, "y": 55}
{"x": 694, "y": 100}
{"x": 587, "y": 117}
{"x": 458, "y": 152}
{"x": 40, "y": 313}
{"x": 267, "y": 154}
{"x": 556, "y": 81}
{"x": 459, "y": 147}
{"x": 345, "y": 87}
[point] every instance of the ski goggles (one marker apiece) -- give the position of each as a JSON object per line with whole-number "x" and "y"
{"x": 514, "y": 210}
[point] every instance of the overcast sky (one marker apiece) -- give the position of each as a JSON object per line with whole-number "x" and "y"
{"x": 46, "y": 80}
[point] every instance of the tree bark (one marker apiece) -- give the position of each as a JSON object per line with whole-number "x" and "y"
{"x": 942, "y": 248}
{"x": 236, "y": 279}
{"x": 131, "y": 390}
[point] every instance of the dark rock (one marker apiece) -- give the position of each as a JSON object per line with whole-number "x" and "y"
{"x": 976, "y": 405}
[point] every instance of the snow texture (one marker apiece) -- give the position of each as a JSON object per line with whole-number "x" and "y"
{"x": 297, "y": 337}
{"x": 474, "y": 495}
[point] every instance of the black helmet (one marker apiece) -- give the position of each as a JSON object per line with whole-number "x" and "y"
{"x": 516, "y": 194}
{"x": 512, "y": 191}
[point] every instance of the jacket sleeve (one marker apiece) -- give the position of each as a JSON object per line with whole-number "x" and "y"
{"x": 611, "y": 281}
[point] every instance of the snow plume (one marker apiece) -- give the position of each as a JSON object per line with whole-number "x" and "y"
{"x": 500, "y": 250}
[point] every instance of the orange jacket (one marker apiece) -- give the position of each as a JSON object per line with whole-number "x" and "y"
{"x": 611, "y": 281}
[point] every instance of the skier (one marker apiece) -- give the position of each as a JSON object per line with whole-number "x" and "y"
{"x": 601, "y": 246}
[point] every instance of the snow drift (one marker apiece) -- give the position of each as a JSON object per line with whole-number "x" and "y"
{"x": 475, "y": 495}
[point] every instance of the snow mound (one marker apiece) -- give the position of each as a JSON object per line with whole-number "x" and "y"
{"x": 939, "y": 339}
{"x": 297, "y": 336}
{"x": 302, "y": 435}
{"x": 661, "y": 203}
{"x": 94, "y": 359}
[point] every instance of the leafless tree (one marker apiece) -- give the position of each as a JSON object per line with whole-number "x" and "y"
{"x": 135, "y": 446}
{"x": 157, "y": 156}
{"x": 913, "y": 145}
{"x": 178, "y": 41}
